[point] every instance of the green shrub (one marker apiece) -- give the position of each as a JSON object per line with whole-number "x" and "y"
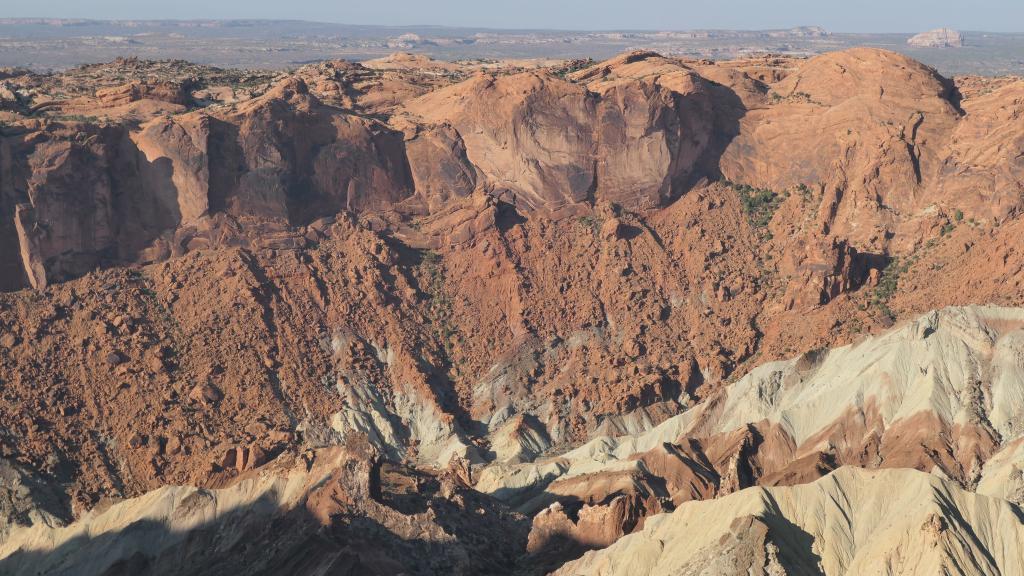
{"x": 591, "y": 222}
{"x": 759, "y": 204}
{"x": 573, "y": 66}
{"x": 888, "y": 282}
{"x": 805, "y": 192}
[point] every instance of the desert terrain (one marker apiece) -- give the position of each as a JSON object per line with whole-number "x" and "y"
{"x": 61, "y": 43}
{"x": 652, "y": 314}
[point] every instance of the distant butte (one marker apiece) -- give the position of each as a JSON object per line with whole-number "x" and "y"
{"x": 939, "y": 38}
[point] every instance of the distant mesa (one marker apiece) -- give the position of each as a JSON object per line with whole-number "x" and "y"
{"x": 807, "y": 32}
{"x": 939, "y": 38}
{"x": 408, "y": 40}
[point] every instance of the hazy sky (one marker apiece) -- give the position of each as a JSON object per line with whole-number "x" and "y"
{"x": 835, "y": 15}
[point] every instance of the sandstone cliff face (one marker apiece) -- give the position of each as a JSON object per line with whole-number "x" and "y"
{"x": 171, "y": 92}
{"x": 101, "y": 196}
{"x": 174, "y": 165}
{"x": 441, "y": 171}
{"x": 67, "y": 185}
{"x": 866, "y": 127}
{"x": 889, "y": 147}
{"x": 526, "y": 134}
{"x": 300, "y": 160}
{"x": 982, "y": 169}
{"x": 551, "y": 143}
{"x": 651, "y": 136}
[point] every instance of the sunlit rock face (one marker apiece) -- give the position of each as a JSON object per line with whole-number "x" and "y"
{"x": 486, "y": 317}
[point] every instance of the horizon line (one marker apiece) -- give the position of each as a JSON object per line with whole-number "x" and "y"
{"x": 28, "y": 19}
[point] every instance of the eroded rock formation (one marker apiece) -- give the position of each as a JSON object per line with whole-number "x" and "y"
{"x": 841, "y": 524}
{"x": 593, "y": 296}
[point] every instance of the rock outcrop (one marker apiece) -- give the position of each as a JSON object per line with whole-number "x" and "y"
{"x": 850, "y": 522}
{"x": 549, "y": 143}
{"x": 938, "y": 38}
{"x": 888, "y": 147}
{"x": 330, "y": 511}
{"x": 171, "y": 92}
{"x": 941, "y": 394}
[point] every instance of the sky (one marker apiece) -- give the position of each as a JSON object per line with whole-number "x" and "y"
{"x": 834, "y": 15}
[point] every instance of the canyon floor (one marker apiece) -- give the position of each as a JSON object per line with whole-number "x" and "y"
{"x": 408, "y": 316}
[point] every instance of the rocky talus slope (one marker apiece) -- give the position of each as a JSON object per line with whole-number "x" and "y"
{"x": 913, "y": 405}
{"x": 514, "y": 311}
